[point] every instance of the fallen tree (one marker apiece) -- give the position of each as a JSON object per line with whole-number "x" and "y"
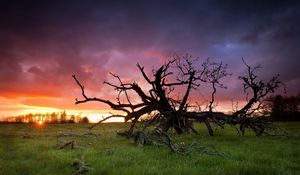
{"x": 166, "y": 110}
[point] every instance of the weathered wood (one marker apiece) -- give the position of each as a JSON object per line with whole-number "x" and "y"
{"x": 174, "y": 113}
{"x": 70, "y": 143}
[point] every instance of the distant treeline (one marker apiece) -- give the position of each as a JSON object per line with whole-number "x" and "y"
{"x": 55, "y": 117}
{"x": 283, "y": 108}
{"x": 278, "y": 108}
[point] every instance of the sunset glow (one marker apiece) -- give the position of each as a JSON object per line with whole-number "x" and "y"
{"x": 41, "y": 50}
{"x": 94, "y": 118}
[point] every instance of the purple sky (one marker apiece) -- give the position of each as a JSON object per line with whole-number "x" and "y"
{"x": 43, "y": 43}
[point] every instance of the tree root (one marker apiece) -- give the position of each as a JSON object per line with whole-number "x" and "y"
{"x": 142, "y": 138}
{"x": 161, "y": 138}
{"x": 273, "y": 130}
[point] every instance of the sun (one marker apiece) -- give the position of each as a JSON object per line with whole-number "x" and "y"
{"x": 40, "y": 122}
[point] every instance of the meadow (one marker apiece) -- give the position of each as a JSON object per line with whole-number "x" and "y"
{"x": 113, "y": 154}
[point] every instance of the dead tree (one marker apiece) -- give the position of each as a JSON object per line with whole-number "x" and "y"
{"x": 181, "y": 76}
{"x": 214, "y": 72}
{"x": 173, "y": 113}
{"x": 259, "y": 89}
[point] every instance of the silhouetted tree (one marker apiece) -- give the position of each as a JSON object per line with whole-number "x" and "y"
{"x": 283, "y": 108}
{"x": 172, "y": 113}
{"x": 54, "y": 118}
{"x": 168, "y": 109}
{"x": 84, "y": 120}
{"x": 258, "y": 90}
{"x": 63, "y": 117}
{"x": 72, "y": 119}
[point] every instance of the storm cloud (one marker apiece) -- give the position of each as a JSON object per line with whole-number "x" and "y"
{"x": 43, "y": 43}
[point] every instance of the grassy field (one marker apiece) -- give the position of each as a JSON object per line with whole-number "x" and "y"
{"x": 113, "y": 154}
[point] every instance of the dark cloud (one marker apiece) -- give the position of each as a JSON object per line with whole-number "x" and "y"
{"x": 45, "y": 42}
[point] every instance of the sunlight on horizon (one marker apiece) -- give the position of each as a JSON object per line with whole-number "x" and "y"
{"x": 94, "y": 118}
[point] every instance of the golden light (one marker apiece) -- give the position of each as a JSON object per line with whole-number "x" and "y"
{"x": 36, "y": 109}
{"x": 94, "y": 118}
{"x": 39, "y": 124}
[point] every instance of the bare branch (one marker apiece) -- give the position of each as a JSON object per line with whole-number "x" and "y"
{"x": 259, "y": 89}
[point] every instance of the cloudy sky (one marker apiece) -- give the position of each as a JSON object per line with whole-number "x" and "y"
{"x": 43, "y": 43}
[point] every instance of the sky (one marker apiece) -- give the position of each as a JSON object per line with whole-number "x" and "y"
{"x": 44, "y": 43}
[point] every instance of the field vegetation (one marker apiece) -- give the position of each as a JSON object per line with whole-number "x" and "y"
{"x": 29, "y": 149}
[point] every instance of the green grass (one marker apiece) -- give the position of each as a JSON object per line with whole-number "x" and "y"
{"x": 113, "y": 154}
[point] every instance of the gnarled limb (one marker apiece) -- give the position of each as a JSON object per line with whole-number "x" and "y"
{"x": 174, "y": 113}
{"x": 258, "y": 88}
